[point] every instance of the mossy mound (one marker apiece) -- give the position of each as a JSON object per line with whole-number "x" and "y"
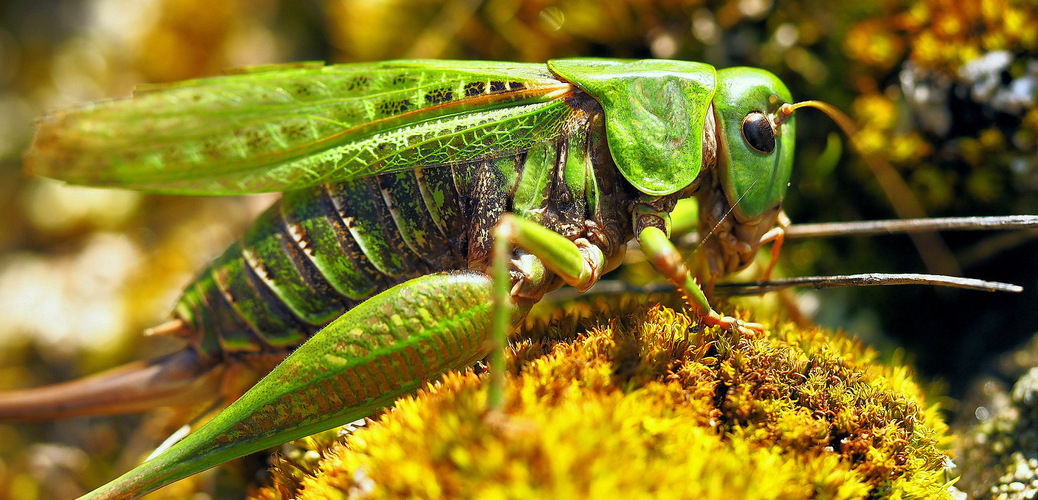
{"x": 649, "y": 407}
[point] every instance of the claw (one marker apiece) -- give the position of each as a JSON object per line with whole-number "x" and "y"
{"x": 731, "y": 323}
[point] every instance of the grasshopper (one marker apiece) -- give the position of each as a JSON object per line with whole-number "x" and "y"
{"x": 427, "y": 206}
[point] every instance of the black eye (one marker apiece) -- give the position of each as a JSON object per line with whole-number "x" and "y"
{"x": 757, "y": 131}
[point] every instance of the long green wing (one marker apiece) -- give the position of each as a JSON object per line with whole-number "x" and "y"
{"x": 286, "y": 127}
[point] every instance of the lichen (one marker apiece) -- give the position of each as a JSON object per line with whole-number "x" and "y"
{"x": 998, "y": 451}
{"x": 647, "y": 406}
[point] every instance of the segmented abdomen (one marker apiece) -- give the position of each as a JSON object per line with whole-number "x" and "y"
{"x": 318, "y": 252}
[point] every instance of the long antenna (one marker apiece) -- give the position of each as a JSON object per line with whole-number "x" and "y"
{"x": 899, "y": 226}
{"x": 610, "y": 287}
{"x": 909, "y": 226}
{"x": 867, "y": 279}
{"x": 931, "y": 248}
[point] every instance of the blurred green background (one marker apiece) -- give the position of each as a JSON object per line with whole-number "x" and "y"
{"x": 944, "y": 90}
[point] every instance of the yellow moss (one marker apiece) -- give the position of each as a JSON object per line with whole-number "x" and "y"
{"x": 944, "y": 46}
{"x": 875, "y": 111}
{"x": 873, "y": 44}
{"x": 942, "y": 35}
{"x": 649, "y": 407}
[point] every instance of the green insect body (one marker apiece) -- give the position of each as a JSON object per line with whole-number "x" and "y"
{"x": 394, "y": 174}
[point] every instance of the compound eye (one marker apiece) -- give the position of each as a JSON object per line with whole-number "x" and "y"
{"x": 757, "y": 132}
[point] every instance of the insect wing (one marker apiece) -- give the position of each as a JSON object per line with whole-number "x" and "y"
{"x": 278, "y": 128}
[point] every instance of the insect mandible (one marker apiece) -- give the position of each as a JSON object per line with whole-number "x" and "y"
{"x": 398, "y": 178}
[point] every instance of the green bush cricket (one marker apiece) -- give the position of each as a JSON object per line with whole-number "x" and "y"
{"x": 427, "y": 205}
